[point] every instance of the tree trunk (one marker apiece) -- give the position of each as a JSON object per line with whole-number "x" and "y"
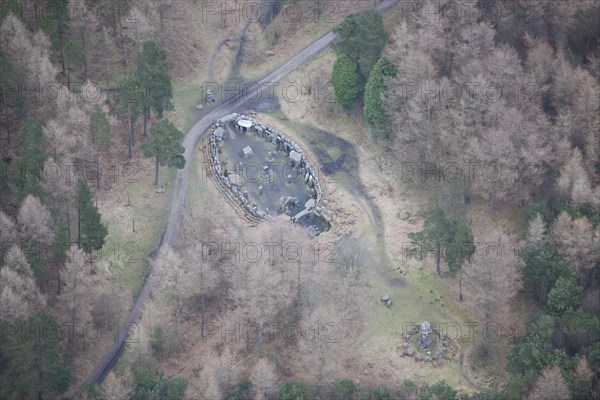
{"x": 96, "y": 159}
{"x": 146, "y": 113}
{"x": 438, "y": 251}
{"x": 58, "y": 280}
{"x": 39, "y": 366}
{"x": 247, "y": 338}
{"x": 260, "y": 339}
{"x": 68, "y": 223}
{"x": 132, "y": 129}
{"x": 176, "y": 315}
{"x": 321, "y": 362}
{"x": 130, "y": 141}
{"x": 298, "y": 291}
{"x": 79, "y": 225}
{"x": 492, "y": 201}
{"x": 62, "y": 56}
{"x": 460, "y": 294}
{"x": 346, "y": 299}
{"x": 114, "y": 21}
{"x": 202, "y": 315}
{"x": 73, "y": 313}
{"x": 97, "y": 171}
{"x": 83, "y": 165}
{"x": 91, "y": 263}
{"x": 85, "y": 73}
{"x": 156, "y": 175}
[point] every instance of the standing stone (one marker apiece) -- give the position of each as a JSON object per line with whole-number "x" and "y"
{"x": 425, "y": 339}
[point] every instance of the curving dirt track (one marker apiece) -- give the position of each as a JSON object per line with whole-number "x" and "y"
{"x": 181, "y": 185}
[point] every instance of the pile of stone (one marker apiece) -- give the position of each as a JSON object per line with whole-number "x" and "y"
{"x": 387, "y": 300}
{"x": 425, "y": 343}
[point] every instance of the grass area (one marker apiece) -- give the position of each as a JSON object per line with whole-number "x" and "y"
{"x": 421, "y": 296}
{"x": 197, "y": 188}
{"x": 127, "y": 251}
{"x": 185, "y": 98}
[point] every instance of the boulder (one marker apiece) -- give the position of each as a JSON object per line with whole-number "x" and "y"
{"x": 388, "y": 303}
{"x": 403, "y": 215}
{"x": 385, "y": 298}
{"x": 409, "y": 352}
{"x": 269, "y": 53}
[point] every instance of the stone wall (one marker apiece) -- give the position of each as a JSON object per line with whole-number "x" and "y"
{"x": 310, "y": 176}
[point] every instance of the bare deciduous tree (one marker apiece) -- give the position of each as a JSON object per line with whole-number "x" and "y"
{"x": 59, "y": 186}
{"x": 321, "y": 344}
{"x": 264, "y": 378}
{"x": 15, "y": 257}
{"x": 8, "y": 233}
{"x": 574, "y": 181}
{"x": 536, "y": 231}
{"x": 491, "y": 278}
{"x": 80, "y": 289}
{"x": 19, "y": 295}
{"x": 30, "y": 53}
{"x": 351, "y": 263}
{"x": 550, "y": 385}
{"x": 35, "y": 222}
{"x": 576, "y": 241}
{"x": 170, "y": 265}
{"x": 115, "y": 388}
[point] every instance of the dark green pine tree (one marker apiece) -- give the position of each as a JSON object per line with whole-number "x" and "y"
{"x": 33, "y": 365}
{"x": 54, "y": 375}
{"x": 375, "y": 114}
{"x": 345, "y": 80}
{"x": 92, "y": 231}
{"x": 61, "y": 248}
{"x": 449, "y": 239}
{"x": 84, "y": 197}
{"x": 154, "y": 75}
{"x": 130, "y": 103}
{"x": 363, "y": 38}
{"x": 165, "y": 146}
{"x": 460, "y": 246}
{"x": 54, "y": 23}
{"x": 101, "y": 128}
{"x": 27, "y": 168}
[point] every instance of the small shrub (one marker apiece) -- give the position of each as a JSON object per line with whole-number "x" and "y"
{"x": 344, "y": 389}
{"x": 381, "y": 393}
{"x": 296, "y": 390}
{"x": 484, "y": 355}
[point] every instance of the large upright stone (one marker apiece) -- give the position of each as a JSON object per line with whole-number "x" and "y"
{"x": 295, "y": 157}
{"x": 219, "y": 133}
{"x": 425, "y": 331}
